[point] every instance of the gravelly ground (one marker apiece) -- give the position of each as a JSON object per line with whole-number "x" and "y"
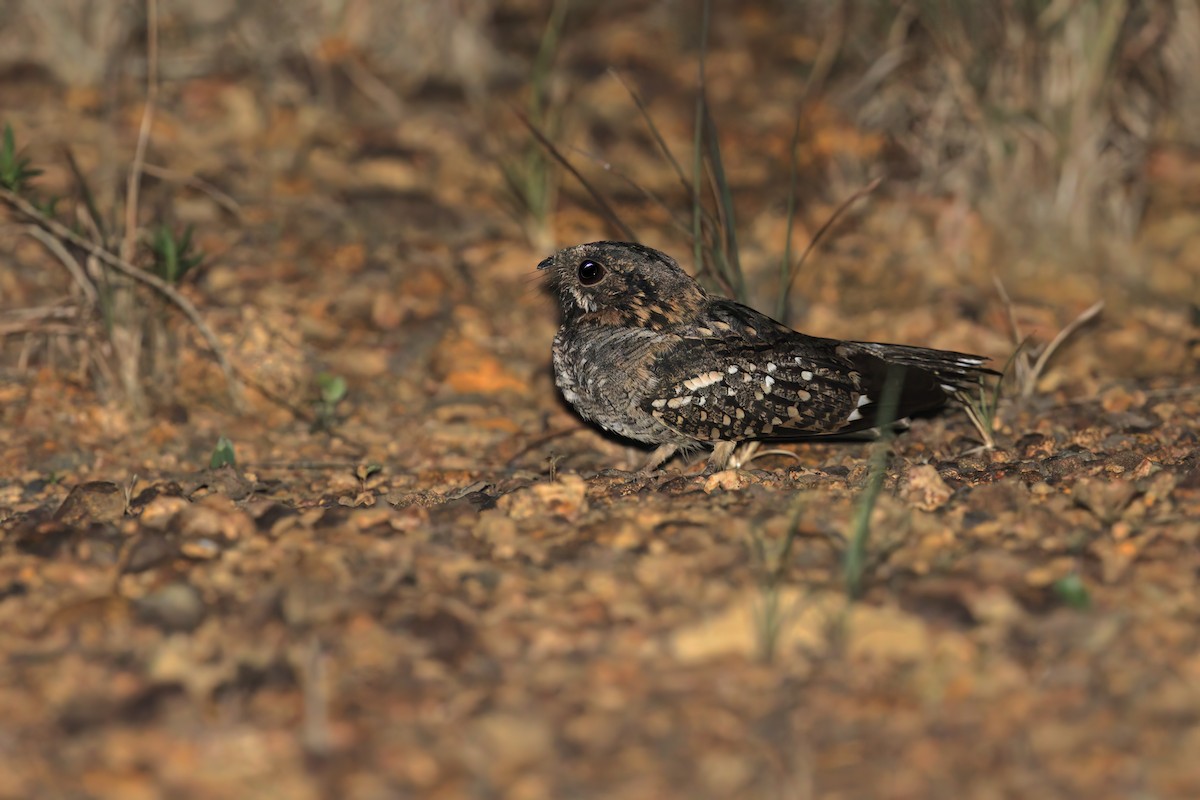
{"x": 502, "y": 609}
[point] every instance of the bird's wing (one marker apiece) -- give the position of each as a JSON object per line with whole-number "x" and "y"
{"x": 722, "y": 387}
{"x": 742, "y": 375}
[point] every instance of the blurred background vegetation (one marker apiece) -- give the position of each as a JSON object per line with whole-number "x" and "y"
{"x": 1042, "y": 112}
{"x": 1047, "y": 143}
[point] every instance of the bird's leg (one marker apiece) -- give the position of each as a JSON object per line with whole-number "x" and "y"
{"x": 658, "y": 457}
{"x": 749, "y": 451}
{"x": 719, "y": 458}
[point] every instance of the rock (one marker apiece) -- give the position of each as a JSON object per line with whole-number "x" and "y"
{"x": 1106, "y": 499}
{"x": 565, "y": 497}
{"x": 728, "y": 480}
{"x": 886, "y": 634}
{"x": 94, "y": 501}
{"x": 175, "y": 607}
{"x": 925, "y": 489}
{"x": 794, "y": 618}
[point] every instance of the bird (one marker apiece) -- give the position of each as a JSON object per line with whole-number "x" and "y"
{"x": 645, "y": 352}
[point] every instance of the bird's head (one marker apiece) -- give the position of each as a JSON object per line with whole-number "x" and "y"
{"x": 621, "y": 283}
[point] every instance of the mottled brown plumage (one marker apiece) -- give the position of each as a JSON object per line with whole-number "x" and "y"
{"x": 645, "y": 352}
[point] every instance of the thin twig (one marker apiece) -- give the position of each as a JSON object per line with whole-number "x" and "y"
{"x": 554, "y": 152}
{"x": 139, "y": 153}
{"x": 220, "y": 198}
{"x": 1009, "y": 307}
{"x": 607, "y": 166}
{"x": 661, "y": 143}
{"x": 1020, "y": 358}
{"x": 16, "y": 328}
{"x": 55, "y": 246}
{"x": 1083, "y": 319}
{"x": 658, "y": 139}
{"x": 300, "y": 413}
{"x": 828, "y": 224}
{"x": 67, "y": 311}
{"x": 141, "y": 276}
{"x": 42, "y": 321}
{"x": 372, "y": 88}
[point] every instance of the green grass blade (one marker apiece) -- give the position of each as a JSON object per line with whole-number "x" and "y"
{"x": 544, "y": 60}
{"x": 785, "y": 262}
{"x": 855, "y": 558}
{"x": 85, "y": 193}
{"x": 731, "y": 261}
{"x": 697, "y": 170}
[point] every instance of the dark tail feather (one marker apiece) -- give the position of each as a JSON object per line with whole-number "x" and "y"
{"x": 928, "y": 377}
{"x": 956, "y": 370}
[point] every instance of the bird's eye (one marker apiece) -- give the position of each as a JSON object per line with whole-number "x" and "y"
{"x": 590, "y": 272}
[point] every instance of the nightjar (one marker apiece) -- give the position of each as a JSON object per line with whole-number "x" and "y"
{"x": 646, "y": 353}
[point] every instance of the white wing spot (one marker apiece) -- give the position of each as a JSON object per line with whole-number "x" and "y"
{"x": 854, "y": 415}
{"x": 731, "y": 369}
{"x": 771, "y": 366}
{"x": 948, "y": 389}
{"x": 700, "y": 381}
{"x": 658, "y": 403}
{"x": 679, "y": 402}
{"x": 863, "y": 400}
{"x": 805, "y": 375}
{"x": 768, "y": 382}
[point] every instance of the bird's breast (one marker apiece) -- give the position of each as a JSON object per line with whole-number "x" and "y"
{"x": 605, "y": 373}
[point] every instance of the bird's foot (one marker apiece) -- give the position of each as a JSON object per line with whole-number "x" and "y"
{"x": 720, "y": 457}
{"x": 657, "y": 459}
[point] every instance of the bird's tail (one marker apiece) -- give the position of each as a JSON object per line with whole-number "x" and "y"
{"x": 954, "y": 371}
{"x": 927, "y": 379}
